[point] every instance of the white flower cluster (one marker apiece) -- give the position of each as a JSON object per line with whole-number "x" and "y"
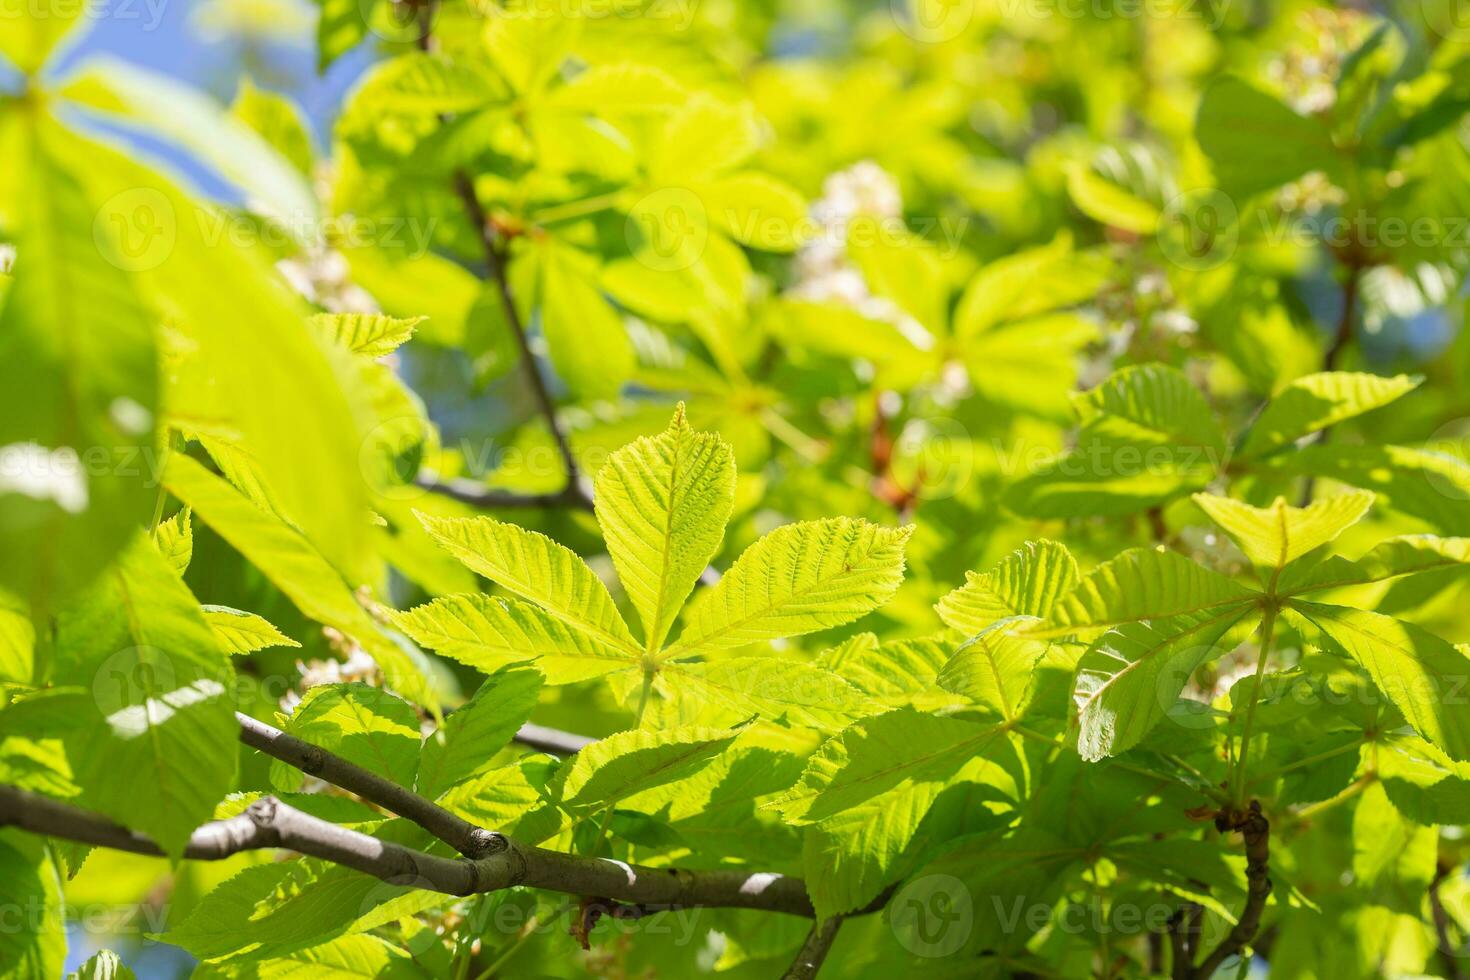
{"x": 823, "y": 271}
{"x": 323, "y": 277}
{"x": 1308, "y": 72}
{"x": 7, "y": 259}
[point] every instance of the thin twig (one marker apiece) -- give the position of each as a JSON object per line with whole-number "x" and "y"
{"x": 1257, "y": 833}
{"x": 495, "y": 263}
{"x": 1453, "y": 968}
{"x": 552, "y": 741}
{"x": 478, "y": 495}
{"x": 814, "y": 951}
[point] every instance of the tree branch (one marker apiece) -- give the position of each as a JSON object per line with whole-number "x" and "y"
{"x": 575, "y": 492}
{"x": 1453, "y": 969}
{"x": 1257, "y": 832}
{"x": 551, "y": 740}
{"x": 478, "y": 495}
{"x": 814, "y": 951}
{"x": 463, "y": 836}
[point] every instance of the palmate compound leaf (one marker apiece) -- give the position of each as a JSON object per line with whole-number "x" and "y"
{"x": 489, "y": 632}
{"x": 161, "y": 707}
{"x": 1424, "y": 676}
{"x": 893, "y": 674}
{"x": 870, "y": 787}
{"x": 798, "y": 579}
{"x": 1143, "y": 583}
{"x": 1316, "y": 401}
{"x": 663, "y": 504}
{"x": 1132, "y": 675}
{"x": 1275, "y": 536}
{"x": 1027, "y": 582}
{"x": 533, "y": 566}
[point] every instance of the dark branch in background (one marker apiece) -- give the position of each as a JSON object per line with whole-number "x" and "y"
{"x": 466, "y": 491}
{"x": 1454, "y": 970}
{"x": 551, "y": 740}
{"x": 1257, "y": 833}
{"x": 575, "y": 492}
{"x": 814, "y": 951}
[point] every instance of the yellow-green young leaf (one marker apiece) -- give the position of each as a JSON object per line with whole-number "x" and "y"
{"x": 161, "y": 708}
{"x": 619, "y": 89}
{"x": 1025, "y": 285}
{"x": 513, "y": 799}
{"x": 902, "y": 268}
{"x": 894, "y": 674}
{"x": 30, "y": 32}
{"x": 663, "y": 504}
{"x": 1255, "y": 142}
{"x": 368, "y": 334}
{"x": 631, "y": 762}
{"x": 704, "y": 138}
{"x": 175, "y": 540}
{"x": 417, "y": 83}
{"x": 1106, "y": 202}
{"x": 281, "y": 908}
{"x": 1423, "y": 675}
{"x": 490, "y": 632}
{"x": 180, "y": 113}
{"x": 585, "y": 336}
{"x": 78, "y": 376}
{"x": 1278, "y": 535}
{"x": 30, "y": 886}
{"x": 290, "y": 562}
{"x": 1317, "y": 401}
{"x": 755, "y": 209}
{"x": 1027, "y": 582}
{"x": 772, "y": 687}
{"x": 1030, "y": 365}
{"x": 533, "y": 566}
{"x": 104, "y": 965}
{"x": 278, "y": 120}
{"x": 1391, "y": 854}
{"x": 243, "y": 632}
{"x": 359, "y": 957}
{"x": 247, "y": 366}
{"x": 1424, "y": 784}
{"x": 527, "y": 47}
{"x": 1144, "y": 583}
{"x": 868, "y": 789}
{"x": 798, "y": 579}
{"x": 17, "y": 645}
{"x": 363, "y": 724}
{"x": 1129, "y": 679}
{"x": 1407, "y": 555}
{"x": 1147, "y": 436}
{"x": 465, "y": 745}
{"x": 1424, "y": 483}
{"x": 994, "y": 668}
